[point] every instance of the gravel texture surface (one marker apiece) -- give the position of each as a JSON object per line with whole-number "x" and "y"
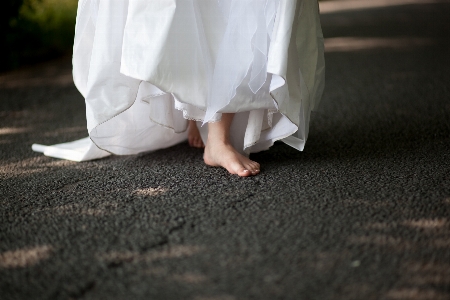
{"x": 362, "y": 213}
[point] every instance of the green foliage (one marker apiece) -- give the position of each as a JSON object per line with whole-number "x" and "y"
{"x": 54, "y": 18}
{"x": 37, "y": 30}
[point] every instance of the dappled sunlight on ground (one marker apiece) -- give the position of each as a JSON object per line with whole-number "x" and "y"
{"x": 146, "y": 192}
{"x": 427, "y": 223}
{"x": 426, "y": 273}
{"x": 359, "y": 17}
{"x": 381, "y": 240}
{"x": 349, "y": 5}
{"x": 177, "y": 251}
{"x": 25, "y": 257}
{"x": 14, "y": 130}
{"x": 419, "y": 279}
{"x": 24, "y": 115}
{"x": 33, "y": 165}
{"x": 61, "y": 131}
{"x": 348, "y": 44}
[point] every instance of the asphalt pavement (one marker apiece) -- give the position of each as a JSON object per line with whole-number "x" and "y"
{"x": 362, "y": 213}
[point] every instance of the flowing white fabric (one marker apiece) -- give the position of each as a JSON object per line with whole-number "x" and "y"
{"x": 146, "y": 67}
{"x": 79, "y": 150}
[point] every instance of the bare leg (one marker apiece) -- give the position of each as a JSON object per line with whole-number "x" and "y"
{"x": 220, "y": 153}
{"x": 194, "y": 138}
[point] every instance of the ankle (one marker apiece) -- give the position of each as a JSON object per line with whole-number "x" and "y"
{"x": 217, "y": 140}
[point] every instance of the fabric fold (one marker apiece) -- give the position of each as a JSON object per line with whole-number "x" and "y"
{"x": 146, "y": 67}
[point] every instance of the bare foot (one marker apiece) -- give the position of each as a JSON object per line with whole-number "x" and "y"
{"x": 222, "y": 154}
{"x": 194, "y": 138}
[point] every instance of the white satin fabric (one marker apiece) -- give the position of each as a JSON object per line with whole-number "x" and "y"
{"x": 146, "y": 67}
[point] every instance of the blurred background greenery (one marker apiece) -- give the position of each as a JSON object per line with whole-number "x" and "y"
{"x": 35, "y": 30}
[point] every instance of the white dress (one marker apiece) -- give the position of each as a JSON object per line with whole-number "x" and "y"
{"x": 147, "y": 67}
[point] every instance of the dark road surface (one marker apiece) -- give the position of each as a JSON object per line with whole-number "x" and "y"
{"x": 362, "y": 213}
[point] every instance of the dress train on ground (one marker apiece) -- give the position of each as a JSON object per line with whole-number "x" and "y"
{"x": 146, "y": 67}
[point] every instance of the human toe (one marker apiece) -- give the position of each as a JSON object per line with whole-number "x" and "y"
{"x": 244, "y": 173}
{"x": 251, "y": 170}
{"x": 253, "y": 167}
{"x": 239, "y": 169}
